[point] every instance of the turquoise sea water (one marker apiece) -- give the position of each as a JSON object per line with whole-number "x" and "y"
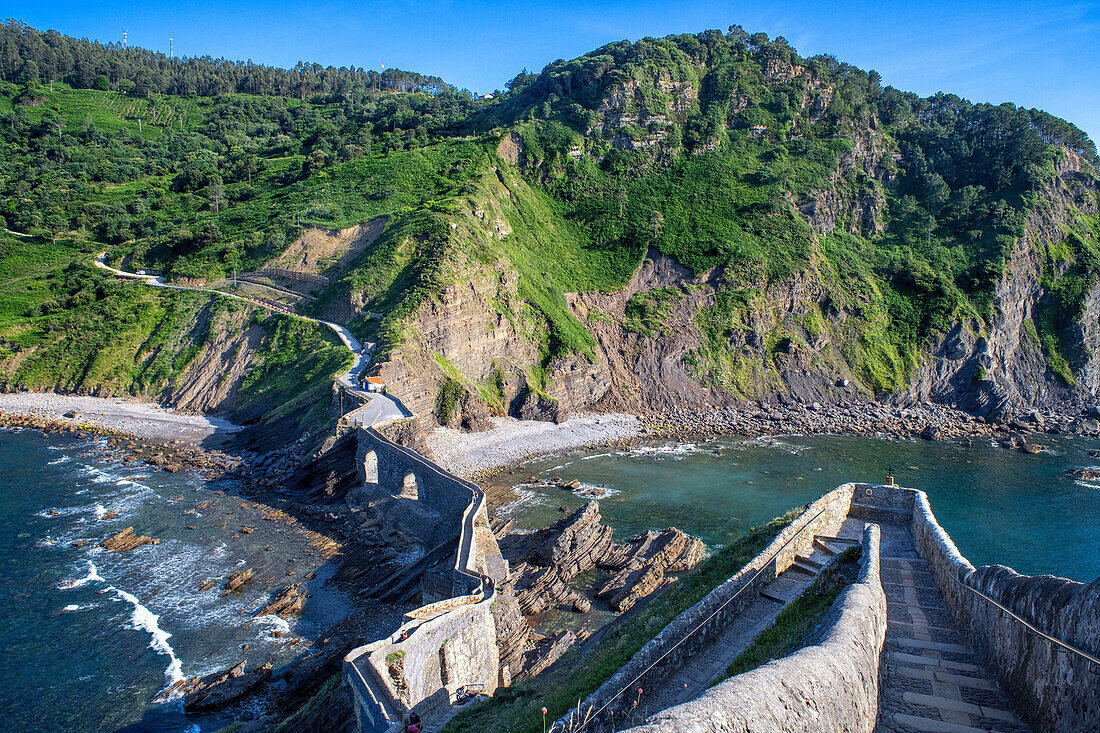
{"x": 88, "y": 637}
{"x": 999, "y": 506}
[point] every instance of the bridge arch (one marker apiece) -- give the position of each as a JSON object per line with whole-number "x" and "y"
{"x": 370, "y": 467}
{"x": 410, "y": 486}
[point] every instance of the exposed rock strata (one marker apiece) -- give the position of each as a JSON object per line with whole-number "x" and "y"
{"x": 287, "y": 602}
{"x": 126, "y": 540}
{"x": 217, "y": 689}
{"x": 237, "y": 580}
{"x": 578, "y": 543}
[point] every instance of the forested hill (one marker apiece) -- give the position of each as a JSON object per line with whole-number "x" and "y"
{"x": 692, "y": 219}
{"x": 27, "y": 54}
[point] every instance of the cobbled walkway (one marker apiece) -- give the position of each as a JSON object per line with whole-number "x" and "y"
{"x": 935, "y": 681}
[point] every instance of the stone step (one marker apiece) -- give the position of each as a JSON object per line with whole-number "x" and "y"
{"x": 838, "y": 540}
{"x": 901, "y": 658}
{"x": 960, "y": 706}
{"x": 833, "y": 545}
{"x": 809, "y": 561}
{"x": 913, "y": 561}
{"x": 938, "y": 646}
{"x": 961, "y": 680}
{"x": 928, "y": 725}
{"x": 775, "y": 596}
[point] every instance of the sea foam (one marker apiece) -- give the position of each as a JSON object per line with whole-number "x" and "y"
{"x": 142, "y": 619}
{"x": 91, "y": 577}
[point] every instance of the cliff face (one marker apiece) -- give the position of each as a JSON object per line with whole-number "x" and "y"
{"x": 792, "y": 297}
{"x": 788, "y": 339}
{"x": 1001, "y": 366}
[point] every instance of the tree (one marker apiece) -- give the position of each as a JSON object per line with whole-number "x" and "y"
{"x": 101, "y": 83}
{"x": 216, "y": 193}
{"x": 656, "y": 224}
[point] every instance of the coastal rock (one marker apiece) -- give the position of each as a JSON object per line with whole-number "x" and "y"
{"x": 126, "y": 540}
{"x": 545, "y": 652}
{"x": 217, "y": 689}
{"x": 558, "y": 554}
{"x": 643, "y": 562}
{"x": 286, "y": 603}
{"x": 512, "y": 630}
{"x": 237, "y": 580}
{"x": 574, "y": 544}
{"x": 544, "y": 409}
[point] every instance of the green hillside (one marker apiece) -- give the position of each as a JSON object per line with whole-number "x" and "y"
{"x": 725, "y": 151}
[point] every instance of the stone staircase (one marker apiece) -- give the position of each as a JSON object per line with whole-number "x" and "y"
{"x": 711, "y": 663}
{"x": 935, "y": 682}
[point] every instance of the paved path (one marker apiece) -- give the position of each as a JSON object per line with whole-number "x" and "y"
{"x": 935, "y": 681}
{"x": 379, "y": 408}
{"x": 710, "y": 663}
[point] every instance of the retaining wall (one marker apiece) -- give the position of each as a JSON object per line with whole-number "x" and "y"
{"x": 676, "y": 644}
{"x": 1053, "y": 689}
{"x": 831, "y": 686}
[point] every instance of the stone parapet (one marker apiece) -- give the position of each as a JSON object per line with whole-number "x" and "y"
{"x": 1054, "y": 688}
{"x": 830, "y": 686}
{"x": 444, "y": 645}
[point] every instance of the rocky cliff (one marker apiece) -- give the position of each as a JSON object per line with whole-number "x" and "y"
{"x": 999, "y": 366}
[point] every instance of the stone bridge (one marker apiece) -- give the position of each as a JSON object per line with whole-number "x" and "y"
{"x": 450, "y": 642}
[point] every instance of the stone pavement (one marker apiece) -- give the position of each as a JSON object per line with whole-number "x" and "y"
{"x": 935, "y": 682}
{"x": 710, "y": 663}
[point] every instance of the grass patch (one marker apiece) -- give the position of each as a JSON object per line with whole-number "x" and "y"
{"x": 578, "y": 674}
{"x": 647, "y": 313}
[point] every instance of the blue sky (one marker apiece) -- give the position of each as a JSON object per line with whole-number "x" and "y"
{"x": 1036, "y": 54}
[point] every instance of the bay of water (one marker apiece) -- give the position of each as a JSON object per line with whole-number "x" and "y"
{"x": 999, "y": 506}
{"x": 88, "y": 637}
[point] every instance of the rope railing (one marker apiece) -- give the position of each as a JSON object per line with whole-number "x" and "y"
{"x": 702, "y": 623}
{"x": 1094, "y": 662}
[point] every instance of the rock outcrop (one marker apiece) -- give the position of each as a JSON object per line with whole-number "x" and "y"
{"x": 126, "y": 540}
{"x": 546, "y": 562}
{"x": 642, "y": 563}
{"x": 287, "y": 602}
{"x": 237, "y": 580}
{"x": 217, "y": 689}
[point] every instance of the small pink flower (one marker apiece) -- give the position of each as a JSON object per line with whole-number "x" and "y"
{"x": 639, "y": 690}
{"x": 544, "y": 711}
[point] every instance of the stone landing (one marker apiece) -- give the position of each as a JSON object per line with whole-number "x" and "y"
{"x": 934, "y": 681}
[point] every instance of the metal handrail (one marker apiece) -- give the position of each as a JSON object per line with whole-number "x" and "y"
{"x": 702, "y": 623}
{"x": 1035, "y": 630}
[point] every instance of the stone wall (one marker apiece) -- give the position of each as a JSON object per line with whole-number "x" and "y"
{"x": 1053, "y": 688}
{"x": 696, "y": 627}
{"x": 831, "y": 686}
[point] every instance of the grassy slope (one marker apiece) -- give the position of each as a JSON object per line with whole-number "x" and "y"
{"x": 69, "y": 327}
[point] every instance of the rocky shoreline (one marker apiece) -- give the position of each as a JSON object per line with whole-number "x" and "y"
{"x": 927, "y": 420}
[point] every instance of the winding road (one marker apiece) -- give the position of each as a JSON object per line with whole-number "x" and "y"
{"x": 379, "y": 407}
